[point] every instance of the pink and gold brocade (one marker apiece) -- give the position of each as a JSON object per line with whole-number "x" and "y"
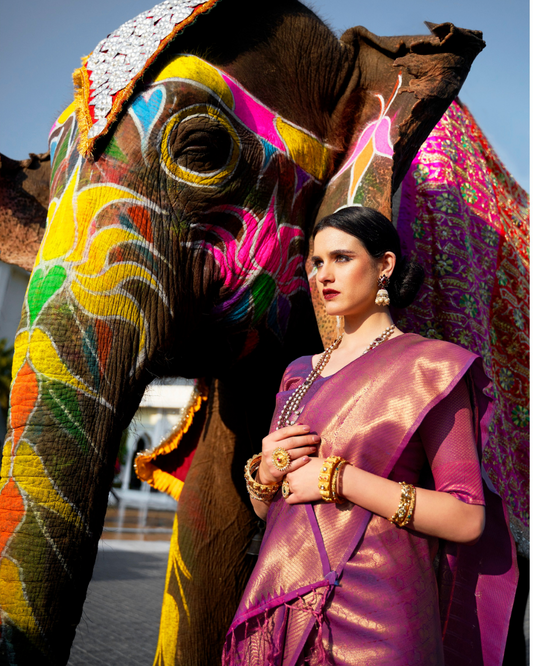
{"x": 335, "y": 584}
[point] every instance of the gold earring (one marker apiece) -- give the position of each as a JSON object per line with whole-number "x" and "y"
{"x": 382, "y": 297}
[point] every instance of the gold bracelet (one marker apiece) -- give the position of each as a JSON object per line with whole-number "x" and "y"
{"x": 259, "y": 491}
{"x": 406, "y": 506}
{"x": 325, "y": 478}
{"x": 337, "y": 497}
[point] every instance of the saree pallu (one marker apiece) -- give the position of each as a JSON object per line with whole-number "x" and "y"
{"x": 335, "y": 584}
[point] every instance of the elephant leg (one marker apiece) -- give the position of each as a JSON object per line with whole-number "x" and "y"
{"x": 208, "y": 563}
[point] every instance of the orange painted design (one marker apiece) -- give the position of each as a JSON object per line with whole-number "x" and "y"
{"x": 12, "y": 512}
{"x": 360, "y": 166}
{"x": 24, "y": 395}
{"x": 142, "y": 221}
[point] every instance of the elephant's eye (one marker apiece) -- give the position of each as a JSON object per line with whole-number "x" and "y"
{"x": 200, "y": 146}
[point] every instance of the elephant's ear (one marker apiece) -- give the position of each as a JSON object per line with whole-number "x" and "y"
{"x": 24, "y": 190}
{"x": 108, "y": 76}
{"x": 398, "y": 91}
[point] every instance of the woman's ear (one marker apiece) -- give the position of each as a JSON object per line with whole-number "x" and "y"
{"x": 388, "y": 262}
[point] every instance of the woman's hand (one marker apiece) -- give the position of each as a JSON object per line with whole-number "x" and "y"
{"x": 297, "y": 441}
{"x": 303, "y": 482}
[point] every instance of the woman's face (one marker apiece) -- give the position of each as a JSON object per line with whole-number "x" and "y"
{"x": 347, "y": 275}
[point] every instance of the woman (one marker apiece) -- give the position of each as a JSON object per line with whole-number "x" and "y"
{"x": 345, "y": 574}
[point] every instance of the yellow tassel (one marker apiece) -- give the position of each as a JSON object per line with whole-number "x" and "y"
{"x": 157, "y": 478}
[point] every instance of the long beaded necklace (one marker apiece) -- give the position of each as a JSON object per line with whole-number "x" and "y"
{"x": 291, "y": 407}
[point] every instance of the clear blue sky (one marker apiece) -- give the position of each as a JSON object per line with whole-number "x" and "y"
{"x": 41, "y": 42}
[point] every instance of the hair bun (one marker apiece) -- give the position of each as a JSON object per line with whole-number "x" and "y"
{"x": 406, "y": 280}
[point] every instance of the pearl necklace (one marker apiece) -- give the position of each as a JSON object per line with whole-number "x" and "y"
{"x": 291, "y": 407}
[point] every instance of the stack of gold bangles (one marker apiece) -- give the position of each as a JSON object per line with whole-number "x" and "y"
{"x": 328, "y": 479}
{"x": 406, "y": 507}
{"x": 259, "y": 491}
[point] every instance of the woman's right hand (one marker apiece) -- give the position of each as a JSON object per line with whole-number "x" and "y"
{"x": 297, "y": 441}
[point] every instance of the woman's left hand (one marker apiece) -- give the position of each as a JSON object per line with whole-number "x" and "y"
{"x": 303, "y": 482}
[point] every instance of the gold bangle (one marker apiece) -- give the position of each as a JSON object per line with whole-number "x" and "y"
{"x": 337, "y": 497}
{"x": 259, "y": 491}
{"x": 406, "y": 507}
{"x": 325, "y": 478}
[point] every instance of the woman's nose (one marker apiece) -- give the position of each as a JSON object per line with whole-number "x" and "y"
{"x": 324, "y": 275}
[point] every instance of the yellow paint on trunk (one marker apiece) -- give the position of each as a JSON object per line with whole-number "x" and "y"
{"x": 60, "y": 228}
{"x": 46, "y": 361}
{"x": 13, "y": 601}
{"x": 120, "y": 306}
{"x": 31, "y": 477}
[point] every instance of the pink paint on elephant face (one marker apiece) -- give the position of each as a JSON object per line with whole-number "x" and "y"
{"x": 265, "y": 248}
{"x": 256, "y": 116}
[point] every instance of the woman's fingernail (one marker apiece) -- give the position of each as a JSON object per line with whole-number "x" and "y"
{"x": 316, "y": 438}
{"x": 305, "y": 458}
{"x": 305, "y": 427}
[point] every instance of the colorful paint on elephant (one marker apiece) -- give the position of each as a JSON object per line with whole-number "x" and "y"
{"x": 101, "y": 275}
{"x": 466, "y": 220}
{"x": 374, "y": 140}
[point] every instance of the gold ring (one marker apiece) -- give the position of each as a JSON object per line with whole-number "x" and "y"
{"x": 281, "y": 459}
{"x": 285, "y": 490}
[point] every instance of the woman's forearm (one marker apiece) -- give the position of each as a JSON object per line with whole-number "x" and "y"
{"x": 436, "y": 513}
{"x": 260, "y": 508}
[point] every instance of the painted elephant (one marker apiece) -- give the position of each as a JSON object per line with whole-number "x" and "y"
{"x": 184, "y": 180}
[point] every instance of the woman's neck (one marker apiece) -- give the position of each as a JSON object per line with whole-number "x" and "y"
{"x": 361, "y": 331}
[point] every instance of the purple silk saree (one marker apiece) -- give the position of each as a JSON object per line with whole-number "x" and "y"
{"x": 335, "y": 584}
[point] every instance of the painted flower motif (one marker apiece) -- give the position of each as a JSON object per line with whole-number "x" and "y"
{"x": 443, "y": 232}
{"x": 506, "y": 379}
{"x": 465, "y": 338}
{"x": 502, "y": 276}
{"x": 469, "y": 304}
{"x": 520, "y": 416}
{"x": 418, "y": 228}
{"x": 468, "y": 193}
{"x": 259, "y": 269}
{"x": 446, "y": 203}
{"x": 421, "y": 173}
{"x": 449, "y": 149}
{"x": 467, "y": 144}
{"x": 484, "y": 293}
{"x": 518, "y": 319}
{"x": 493, "y": 336}
{"x": 490, "y": 236}
{"x": 443, "y": 264}
{"x": 432, "y": 329}
{"x": 486, "y": 353}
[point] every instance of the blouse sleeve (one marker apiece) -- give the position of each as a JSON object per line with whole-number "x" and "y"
{"x": 448, "y": 437}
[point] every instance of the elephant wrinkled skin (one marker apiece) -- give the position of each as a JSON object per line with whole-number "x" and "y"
{"x": 178, "y": 248}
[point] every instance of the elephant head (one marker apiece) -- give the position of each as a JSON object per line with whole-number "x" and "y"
{"x": 181, "y": 192}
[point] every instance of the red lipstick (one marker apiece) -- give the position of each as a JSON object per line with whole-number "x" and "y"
{"x": 329, "y": 294}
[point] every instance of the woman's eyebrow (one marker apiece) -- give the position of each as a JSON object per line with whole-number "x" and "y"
{"x": 334, "y": 253}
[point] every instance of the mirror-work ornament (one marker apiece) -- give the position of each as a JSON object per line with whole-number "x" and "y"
{"x": 107, "y": 77}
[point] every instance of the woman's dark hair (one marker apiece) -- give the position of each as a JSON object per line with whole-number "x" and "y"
{"x": 379, "y": 235}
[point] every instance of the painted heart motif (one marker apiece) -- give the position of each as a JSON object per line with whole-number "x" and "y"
{"x": 42, "y": 287}
{"x": 145, "y": 110}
